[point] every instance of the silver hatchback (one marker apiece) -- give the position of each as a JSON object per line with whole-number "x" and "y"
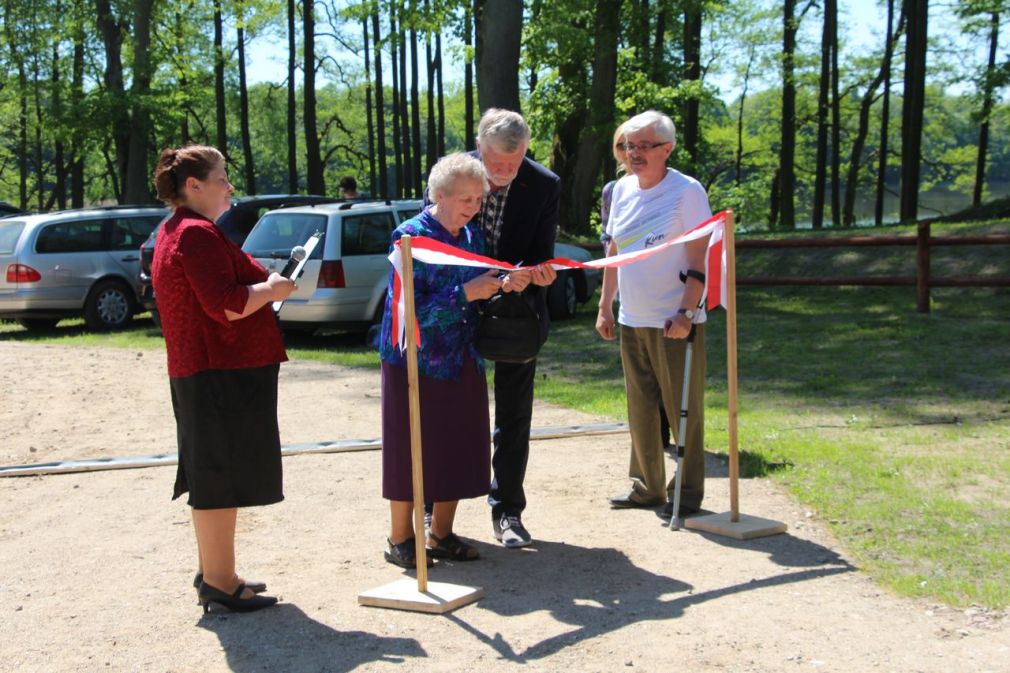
{"x": 73, "y": 263}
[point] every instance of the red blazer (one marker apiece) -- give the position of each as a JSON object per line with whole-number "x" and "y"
{"x": 197, "y": 274}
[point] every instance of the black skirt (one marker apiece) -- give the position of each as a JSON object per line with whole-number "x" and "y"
{"x": 229, "y": 444}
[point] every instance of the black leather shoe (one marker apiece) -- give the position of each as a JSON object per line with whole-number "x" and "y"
{"x": 630, "y": 501}
{"x": 234, "y": 602}
{"x": 255, "y": 587}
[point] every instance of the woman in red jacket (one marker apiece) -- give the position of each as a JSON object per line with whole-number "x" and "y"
{"x": 224, "y": 353}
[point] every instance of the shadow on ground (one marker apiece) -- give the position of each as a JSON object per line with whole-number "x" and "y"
{"x": 286, "y": 639}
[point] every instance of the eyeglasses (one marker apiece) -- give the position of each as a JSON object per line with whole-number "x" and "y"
{"x": 639, "y": 147}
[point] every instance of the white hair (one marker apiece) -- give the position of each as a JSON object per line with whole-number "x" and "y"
{"x": 451, "y": 168}
{"x": 504, "y": 130}
{"x": 662, "y": 124}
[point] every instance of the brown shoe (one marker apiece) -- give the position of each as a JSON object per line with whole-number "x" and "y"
{"x": 631, "y": 501}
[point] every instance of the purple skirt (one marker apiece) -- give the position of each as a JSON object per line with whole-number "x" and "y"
{"x": 455, "y": 435}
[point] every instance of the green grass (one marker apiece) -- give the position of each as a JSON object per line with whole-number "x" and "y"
{"x": 893, "y": 426}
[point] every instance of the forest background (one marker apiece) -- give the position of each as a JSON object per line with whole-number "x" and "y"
{"x": 795, "y": 113}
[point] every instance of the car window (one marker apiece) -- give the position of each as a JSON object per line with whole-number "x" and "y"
{"x": 10, "y": 231}
{"x": 278, "y": 232}
{"x": 76, "y": 236}
{"x": 366, "y": 234}
{"x": 406, "y": 214}
{"x": 127, "y": 233}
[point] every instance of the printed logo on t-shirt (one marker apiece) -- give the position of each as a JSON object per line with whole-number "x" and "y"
{"x": 653, "y": 239}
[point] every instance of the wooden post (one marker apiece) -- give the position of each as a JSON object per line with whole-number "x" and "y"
{"x": 417, "y": 468}
{"x": 922, "y": 268}
{"x": 731, "y": 373}
{"x": 731, "y": 523}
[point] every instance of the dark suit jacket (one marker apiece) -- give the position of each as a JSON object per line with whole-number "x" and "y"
{"x": 529, "y": 226}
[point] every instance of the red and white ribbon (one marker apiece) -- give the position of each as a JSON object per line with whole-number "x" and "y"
{"x": 430, "y": 251}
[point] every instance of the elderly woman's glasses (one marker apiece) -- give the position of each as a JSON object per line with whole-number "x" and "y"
{"x": 639, "y": 147}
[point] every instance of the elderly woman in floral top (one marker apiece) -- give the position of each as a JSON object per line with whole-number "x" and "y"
{"x": 453, "y": 388}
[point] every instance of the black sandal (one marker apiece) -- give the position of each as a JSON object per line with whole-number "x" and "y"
{"x": 404, "y": 554}
{"x": 452, "y": 547}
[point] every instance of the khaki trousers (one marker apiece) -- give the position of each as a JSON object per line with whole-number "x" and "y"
{"x": 654, "y": 371}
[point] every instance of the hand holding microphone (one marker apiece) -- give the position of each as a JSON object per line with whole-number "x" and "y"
{"x": 297, "y": 255}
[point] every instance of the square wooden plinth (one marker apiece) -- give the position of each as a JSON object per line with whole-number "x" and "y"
{"x": 746, "y": 528}
{"x": 441, "y": 597}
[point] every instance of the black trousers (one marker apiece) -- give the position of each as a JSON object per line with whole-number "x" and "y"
{"x": 513, "y": 413}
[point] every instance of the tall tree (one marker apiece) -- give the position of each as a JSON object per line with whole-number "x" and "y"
{"x": 313, "y": 159}
{"x": 692, "y": 73}
{"x": 113, "y": 31}
{"x": 136, "y": 182}
{"x": 499, "y": 28}
{"x": 913, "y": 103}
{"x": 415, "y": 104}
{"x": 219, "y": 94}
{"x": 829, "y": 43}
{"x": 836, "y": 118}
{"x": 431, "y": 144}
{"x": 248, "y": 166}
{"x": 594, "y": 143}
{"x": 59, "y": 160}
{"x": 786, "y": 174}
{"x": 408, "y": 162}
{"x": 397, "y": 91}
{"x": 885, "y": 120}
{"x": 468, "y": 26}
{"x": 440, "y": 135}
{"x": 380, "y": 125}
{"x": 368, "y": 109}
{"x": 292, "y": 132}
{"x": 76, "y": 109}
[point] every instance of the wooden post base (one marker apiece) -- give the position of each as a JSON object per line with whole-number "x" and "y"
{"x": 746, "y": 528}
{"x": 440, "y": 598}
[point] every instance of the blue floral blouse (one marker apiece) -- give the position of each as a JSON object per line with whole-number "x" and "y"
{"x": 447, "y": 320}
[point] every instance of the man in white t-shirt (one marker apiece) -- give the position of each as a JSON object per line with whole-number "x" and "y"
{"x": 651, "y": 205}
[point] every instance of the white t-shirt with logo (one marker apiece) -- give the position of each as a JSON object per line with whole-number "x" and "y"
{"x": 651, "y": 289}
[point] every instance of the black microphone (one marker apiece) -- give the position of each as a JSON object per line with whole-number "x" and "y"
{"x": 297, "y": 255}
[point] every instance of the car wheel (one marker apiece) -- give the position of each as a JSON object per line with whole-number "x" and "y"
{"x": 38, "y": 324}
{"x": 109, "y": 305}
{"x": 562, "y": 296}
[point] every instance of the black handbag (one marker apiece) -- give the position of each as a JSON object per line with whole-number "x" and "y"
{"x": 508, "y": 329}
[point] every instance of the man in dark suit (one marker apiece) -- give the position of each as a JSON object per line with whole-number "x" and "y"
{"x": 520, "y": 218}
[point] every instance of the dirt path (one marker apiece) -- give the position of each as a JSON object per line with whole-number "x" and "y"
{"x": 96, "y": 567}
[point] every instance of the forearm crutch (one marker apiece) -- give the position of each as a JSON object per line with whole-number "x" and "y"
{"x": 678, "y": 453}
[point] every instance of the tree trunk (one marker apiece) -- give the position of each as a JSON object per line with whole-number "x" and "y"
{"x": 440, "y": 150}
{"x": 76, "y": 99}
{"x": 431, "y": 144}
{"x": 396, "y": 92}
{"x": 219, "y": 102}
{"x": 249, "y": 168}
{"x": 292, "y": 131}
{"x": 739, "y": 120}
{"x": 468, "y": 22}
{"x": 820, "y": 167}
{"x": 40, "y": 177}
{"x": 787, "y": 155}
{"x": 380, "y": 124}
{"x": 112, "y": 32}
{"x": 368, "y": 109}
{"x": 643, "y": 48}
{"x": 983, "y": 129}
{"x": 408, "y": 161}
{"x": 415, "y": 107}
{"x": 313, "y": 160}
{"x": 865, "y": 106}
{"x": 885, "y": 118}
{"x": 836, "y": 120}
{"x": 658, "y": 54}
{"x": 499, "y": 29}
{"x": 59, "y": 160}
{"x": 137, "y": 181}
{"x": 692, "y": 72}
{"x": 917, "y": 14}
{"x": 594, "y": 144}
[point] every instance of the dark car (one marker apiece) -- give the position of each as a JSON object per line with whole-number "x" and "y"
{"x": 237, "y": 222}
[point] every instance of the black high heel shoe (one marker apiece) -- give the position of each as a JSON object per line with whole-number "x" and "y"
{"x": 255, "y": 587}
{"x": 233, "y": 602}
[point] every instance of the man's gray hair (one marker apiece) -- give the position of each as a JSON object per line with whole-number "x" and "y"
{"x": 450, "y": 169}
{"x": 663, "y": 125}
{"x": 504, "y": 130}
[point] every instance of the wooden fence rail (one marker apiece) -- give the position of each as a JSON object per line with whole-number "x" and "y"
{"x": 922, "y": 279}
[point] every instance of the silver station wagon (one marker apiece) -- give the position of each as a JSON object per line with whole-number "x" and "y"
{"x": 73, "y": 263}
